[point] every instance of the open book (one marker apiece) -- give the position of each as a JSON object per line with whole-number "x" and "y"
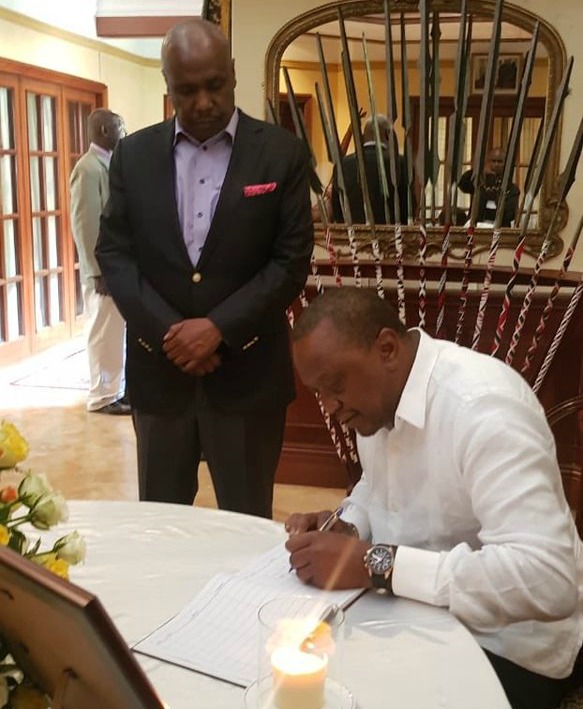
{"x": 217, "y": 633}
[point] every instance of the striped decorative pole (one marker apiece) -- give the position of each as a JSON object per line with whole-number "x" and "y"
{"x": 565, "y": 183}
{"x": 529, "y": 202}
{"x": 575, "y": 298}
{"x": 484, "y": 125}
{"x": 400, "y": 275}
{"x": 551, "y": 299}
{"x": 507, "y": 172}
{"x": 422, "y": 258}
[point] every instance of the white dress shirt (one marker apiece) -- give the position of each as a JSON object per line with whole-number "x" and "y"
{"x": 467, "y": 484}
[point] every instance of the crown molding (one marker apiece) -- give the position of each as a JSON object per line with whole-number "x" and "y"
{"x": 24, "y": 21}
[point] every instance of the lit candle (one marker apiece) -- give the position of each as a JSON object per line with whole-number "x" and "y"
{"x": 298, "y": 678}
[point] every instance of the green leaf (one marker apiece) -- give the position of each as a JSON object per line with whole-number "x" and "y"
{"x": 17, "y": 541}
{"x": 35, "y": 547}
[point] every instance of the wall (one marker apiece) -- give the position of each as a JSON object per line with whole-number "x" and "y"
{"x": 135, "y": 85}
{"x": 251, "y": 41}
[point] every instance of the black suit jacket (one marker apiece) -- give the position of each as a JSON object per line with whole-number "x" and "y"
{"x": 490, "y": 191}
{"x": 354, "y": 190}
{"x": 254, "y": 263}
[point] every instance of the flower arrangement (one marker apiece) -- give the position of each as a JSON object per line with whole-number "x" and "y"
{"x": 28, "y": 499}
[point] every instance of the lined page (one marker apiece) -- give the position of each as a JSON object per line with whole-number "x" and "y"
{"x": 217, "y": 633}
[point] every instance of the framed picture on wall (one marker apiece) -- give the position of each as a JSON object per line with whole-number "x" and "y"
{"x": 508, "y": 73}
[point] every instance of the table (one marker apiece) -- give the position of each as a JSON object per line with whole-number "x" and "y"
{"x": 145, "y": 561}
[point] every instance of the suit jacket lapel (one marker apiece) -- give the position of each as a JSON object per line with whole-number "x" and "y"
{"x": 164, "y": 183}
{"x": 247, "y": 149}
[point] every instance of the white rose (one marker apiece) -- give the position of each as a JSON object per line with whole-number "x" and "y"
{"x": 71, "y": 548}
{"x": 33, "y": 487}
{"x": 49, "y": 510}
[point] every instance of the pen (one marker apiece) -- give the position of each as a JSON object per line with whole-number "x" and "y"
{"x": 330, "y": 521}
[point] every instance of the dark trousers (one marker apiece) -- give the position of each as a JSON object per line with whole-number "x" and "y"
{"x": 241, "y": 450}
{"x": 529, "y": 690}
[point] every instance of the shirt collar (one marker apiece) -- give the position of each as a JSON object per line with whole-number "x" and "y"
{"x": 372, "y": 143}
{"x": 102, "y": 153}
{"x": 412, "y": 406}
{"x": 230, "y": 129}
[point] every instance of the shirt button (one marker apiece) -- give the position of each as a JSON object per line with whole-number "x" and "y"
{"x": 201, "y": 182}
{"x": 199, "y": 215}
{"x": 196, "y": 277}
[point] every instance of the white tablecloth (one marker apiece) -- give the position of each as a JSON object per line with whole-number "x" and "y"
{"x": 145, "y": 561}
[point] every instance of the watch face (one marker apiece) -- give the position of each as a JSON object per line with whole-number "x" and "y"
{"x": 380, "y": 559}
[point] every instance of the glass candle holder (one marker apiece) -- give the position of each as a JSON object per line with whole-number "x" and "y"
{"x": 300, "y": 646}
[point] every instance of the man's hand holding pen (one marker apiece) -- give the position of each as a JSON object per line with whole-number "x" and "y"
{"x": 313, "y": 521}
{"x": 325, "y": 552}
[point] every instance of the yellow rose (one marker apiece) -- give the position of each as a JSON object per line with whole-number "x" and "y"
{"x": 4, "y": 539}
{"x": 24, "y": 697}
{"x": 13, "y": 447}
{"x": 52, "y": 563}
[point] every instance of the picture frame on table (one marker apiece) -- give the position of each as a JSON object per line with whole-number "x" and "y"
{"x": 508, "y": 73}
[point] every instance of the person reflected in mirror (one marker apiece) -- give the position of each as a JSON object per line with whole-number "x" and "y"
{"x": 489, "y": 192}
{"x": 104, "y": 326}
{"x": 460, "y": 504}
{"x": 353, "y": 181}
{"x": 204, "y": 244}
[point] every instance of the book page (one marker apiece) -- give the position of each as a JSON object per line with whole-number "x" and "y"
{"x": 217, "y": 633}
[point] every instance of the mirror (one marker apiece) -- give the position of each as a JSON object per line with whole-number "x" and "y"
{"x": 295, "y": 49}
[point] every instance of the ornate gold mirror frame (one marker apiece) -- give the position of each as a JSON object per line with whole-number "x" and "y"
{"x": 517, "y": 16}
{"x": 219, "y": 12}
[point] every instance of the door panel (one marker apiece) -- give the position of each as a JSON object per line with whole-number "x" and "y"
{"x": 42, "y": 134}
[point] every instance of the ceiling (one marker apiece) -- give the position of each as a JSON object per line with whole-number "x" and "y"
{"x": 78, "y": 16}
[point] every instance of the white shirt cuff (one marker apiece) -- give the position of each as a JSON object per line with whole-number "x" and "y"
{"x": 415, "y": 574}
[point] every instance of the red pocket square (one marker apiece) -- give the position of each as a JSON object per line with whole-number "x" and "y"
{"x": 254, "y": 190}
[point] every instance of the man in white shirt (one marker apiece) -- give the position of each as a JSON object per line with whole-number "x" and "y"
{"x": 460, "y": 504}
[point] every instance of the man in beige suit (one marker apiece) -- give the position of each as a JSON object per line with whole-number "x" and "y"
{"x": 89, "y": 186}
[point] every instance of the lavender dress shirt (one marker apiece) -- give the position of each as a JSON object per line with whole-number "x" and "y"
{"x": 200, "y": 172}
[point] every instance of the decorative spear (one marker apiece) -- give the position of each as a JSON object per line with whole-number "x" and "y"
{"x": 529, "y": 171}
{"x": 406, "y": 122}
{"x": 565, "y": 183}
{"x": 434, "y": 84}
{"x": 453, "y": 156}
{"x": 394, "y": 168}
{"x": 537, "y": 179}
{"x": 509, "y": 164}
{"x": 302, "y": 134}
{"x": 380, "y": 167}
{"x": 484, "y": 124}
{"x": 357, "y": 137}
{"x": 421, "y": 161}
{"x": 336, "y": 153}
{"x": 328, "y": 140}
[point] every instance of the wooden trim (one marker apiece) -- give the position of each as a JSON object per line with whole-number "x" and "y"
{"x": 37, "y": 73}
{"x": 144, "y": 26}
